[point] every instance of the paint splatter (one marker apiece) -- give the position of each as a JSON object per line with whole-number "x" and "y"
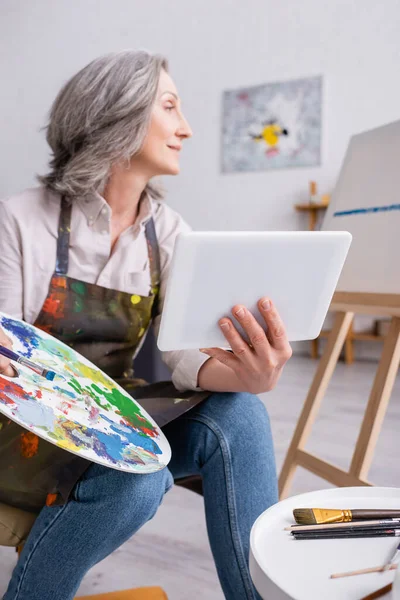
{"x": 79, "y": 287}
{"x": 25, "y": 334}
{"x": 54, "y": 305}
{"x": 29, "y": 444}
{"x": 11, "y": 391}
{"x": 50, "y": 499}
{"x": 126, "y": 407}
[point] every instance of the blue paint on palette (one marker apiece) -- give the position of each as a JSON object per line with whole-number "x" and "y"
{"x": 26, "y": 334}
{"x": 71, "y": 395}
{"x": 134, "y": 437}
{"x": 360, "y": 211}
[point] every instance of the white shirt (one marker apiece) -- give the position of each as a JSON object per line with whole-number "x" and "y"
{"x": 28, "y": 244}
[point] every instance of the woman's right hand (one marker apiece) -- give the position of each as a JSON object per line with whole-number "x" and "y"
{"x": 5, "y": 364}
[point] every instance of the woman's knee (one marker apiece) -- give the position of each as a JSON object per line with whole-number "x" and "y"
{"x": 239, "y": 410}
{"x": 237, "y": 419}
{"x": 123, "y": 492}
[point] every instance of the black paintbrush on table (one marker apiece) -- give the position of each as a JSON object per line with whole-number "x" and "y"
{"x": 336, "y": 535}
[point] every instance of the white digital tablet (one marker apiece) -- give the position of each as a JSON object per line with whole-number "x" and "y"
{"x": 212, "y": 271}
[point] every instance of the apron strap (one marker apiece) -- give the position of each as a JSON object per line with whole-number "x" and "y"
{"x": 64, "y": 229}
{"x": 154, "y": 254}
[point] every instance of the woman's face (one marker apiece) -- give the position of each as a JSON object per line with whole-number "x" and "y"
{"x": 168, "y": 129}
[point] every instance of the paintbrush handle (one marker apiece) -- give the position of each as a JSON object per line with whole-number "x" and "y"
{"x": 8, "y": 353}
{"x": 46, "y": 373}
{"x": 362, "y": 571}
{"x": 350, "y": 527}
{"x": 366, "y": 513}
{"x": 312, "y": 535}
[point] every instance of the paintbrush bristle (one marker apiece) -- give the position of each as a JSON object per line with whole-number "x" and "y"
{"x": 304, "y": 516}
{"x": 49, "y": 375}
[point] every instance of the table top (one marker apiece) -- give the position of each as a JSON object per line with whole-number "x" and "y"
{"x": 284, "y": 568}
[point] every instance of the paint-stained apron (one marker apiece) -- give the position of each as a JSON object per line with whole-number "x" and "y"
{"x": 106, "y": 326}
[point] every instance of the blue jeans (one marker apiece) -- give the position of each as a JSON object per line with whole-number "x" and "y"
{"x": 226, "y": 439}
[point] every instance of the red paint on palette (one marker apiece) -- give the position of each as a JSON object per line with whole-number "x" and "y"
{"x": 9, "y": 388}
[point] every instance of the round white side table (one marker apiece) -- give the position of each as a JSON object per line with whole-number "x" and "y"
{"x": 283, "y": 568}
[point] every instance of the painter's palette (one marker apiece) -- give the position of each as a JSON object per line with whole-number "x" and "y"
{"x": 84, "y": 411}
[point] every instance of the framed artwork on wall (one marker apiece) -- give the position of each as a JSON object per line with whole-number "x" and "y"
{"x": 272, "y": 126}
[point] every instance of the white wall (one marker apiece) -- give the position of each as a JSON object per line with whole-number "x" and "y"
{"x": 212, "y": 46}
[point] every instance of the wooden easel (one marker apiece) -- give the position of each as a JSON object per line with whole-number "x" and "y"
{"x": 346, "y": 304}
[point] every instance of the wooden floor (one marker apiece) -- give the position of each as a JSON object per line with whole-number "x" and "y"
{"x": 172, "y": 550}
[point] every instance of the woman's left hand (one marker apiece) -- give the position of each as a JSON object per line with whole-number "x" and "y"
{"x": 258, "y": 364}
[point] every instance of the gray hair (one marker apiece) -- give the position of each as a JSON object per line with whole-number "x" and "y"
{"x": 101, "y": 117}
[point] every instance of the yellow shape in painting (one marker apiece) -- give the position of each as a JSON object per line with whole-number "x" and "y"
{"x": 271, "y": 134}
{"x": 141, "y": 332}
{"x": 135, "y": 299}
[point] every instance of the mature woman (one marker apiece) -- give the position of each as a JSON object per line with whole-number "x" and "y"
{"x": 86, "y": 257}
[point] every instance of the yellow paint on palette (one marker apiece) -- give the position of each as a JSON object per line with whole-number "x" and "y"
{"x": 95, "y": 375}
{"x": 135, "y": 299}
{"x": 64, "y": 430}
{"x": 141, "y": 332}
{"x": 67, "y": 445}
{"x": 59, "y": 435}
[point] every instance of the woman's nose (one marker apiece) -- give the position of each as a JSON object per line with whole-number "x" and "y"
{"x": 184, "y": 130}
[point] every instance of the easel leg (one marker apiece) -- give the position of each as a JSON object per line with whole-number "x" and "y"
{"x": 314, "y": 348}
{"x": 378, "y": 402}
{"x": 314, "y": 398}
{"x": 349, "y": 347}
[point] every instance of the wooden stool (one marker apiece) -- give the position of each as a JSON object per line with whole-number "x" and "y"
{"x": 143, "y": 593}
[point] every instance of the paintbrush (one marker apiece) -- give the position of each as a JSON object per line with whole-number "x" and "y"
{"x": 46, "y": 373}
{"x": 313, "y": 516}
{"x": 363, "y": 571}
{"x": 333, "y": 535}
{"x": 352, "y": 524}
{"x": 348, "y": 527}
{"x": 391, "y": 564}
{"x": 394, "y": 559}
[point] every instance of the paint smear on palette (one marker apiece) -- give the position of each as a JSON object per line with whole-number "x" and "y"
{"x": 85, "y": 413}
